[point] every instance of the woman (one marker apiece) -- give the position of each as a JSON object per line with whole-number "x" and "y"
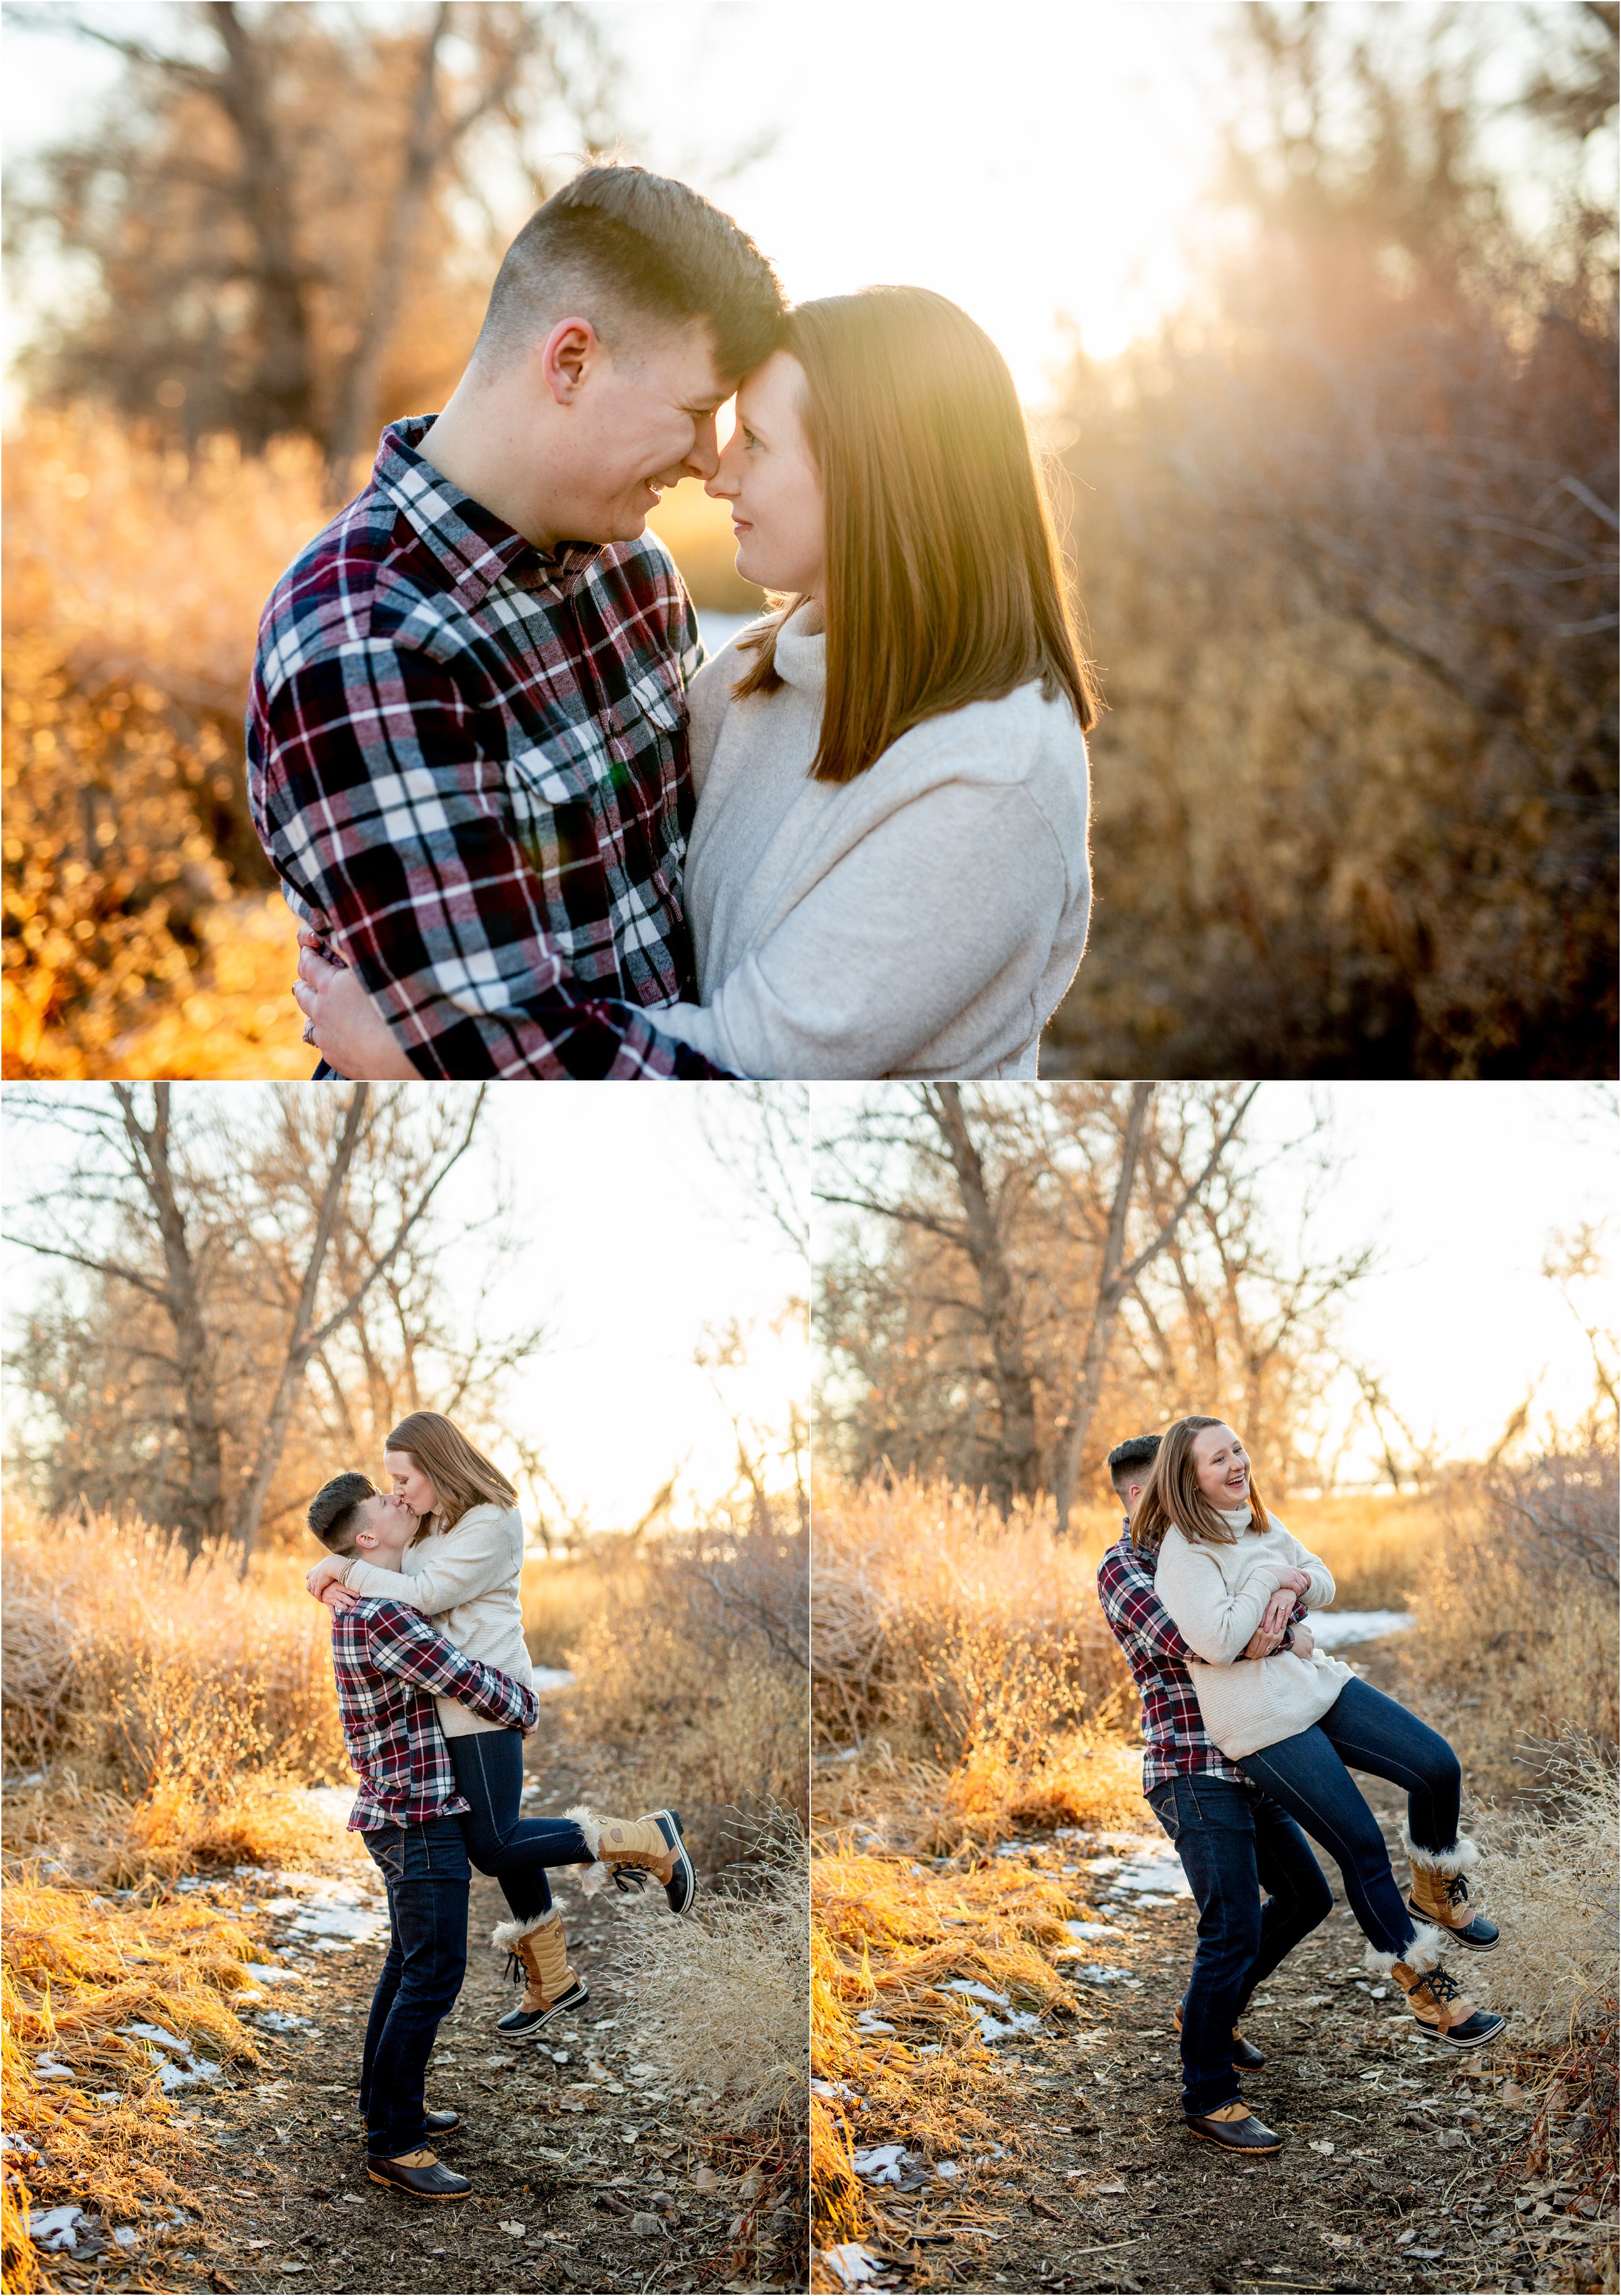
{"x": 887, "y": 873}
{"x": 468, "y": 1558}
{"x": 1227, "y": 1568}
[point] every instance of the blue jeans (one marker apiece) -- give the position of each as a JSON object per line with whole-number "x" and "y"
{"x": 516, "y": 1851}
{"x": 1233, "y": 1844}
{"x": 426, "y": 1872}
{"x": 1310, "y": 1775}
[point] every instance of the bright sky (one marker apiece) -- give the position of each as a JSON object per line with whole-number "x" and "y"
{"x": 1460, "y": 1186}
{"x": 633, "y": 1239}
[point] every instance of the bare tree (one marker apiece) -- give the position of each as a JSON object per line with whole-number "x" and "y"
{"x": 254, "y": 1274}
{"x": 275, "y": 188}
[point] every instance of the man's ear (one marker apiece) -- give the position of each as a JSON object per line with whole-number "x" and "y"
{"x": 569, "y": 352}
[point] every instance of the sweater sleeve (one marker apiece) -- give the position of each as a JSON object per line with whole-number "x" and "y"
{"x": 1215, "y": 1623}
{"x": 963, "y": 887}
{"x": 473, "y": 1559}
{"x": 1320, "y": 1579}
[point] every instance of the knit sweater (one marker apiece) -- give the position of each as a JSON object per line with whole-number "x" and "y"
{"x": 1216, "y": 1595}
{"x": 922, "y": 920}
{"x": 466, "y": 1581}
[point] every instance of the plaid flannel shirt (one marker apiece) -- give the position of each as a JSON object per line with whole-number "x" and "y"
{"x": 467, "y": 762}
{"x": 1174, "y": 1740}
{"x": 389, "y": 1662}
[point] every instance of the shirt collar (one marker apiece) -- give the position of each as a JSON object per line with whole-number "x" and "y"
{"x": 475, "y": 548}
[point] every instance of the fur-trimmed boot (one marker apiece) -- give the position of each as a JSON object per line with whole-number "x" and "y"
{"x": 628, "y": 1849}
{"x": 1440, "y": 1891}
{"x": 539, "y": 1954}
{"x": 1436, "y": 1998}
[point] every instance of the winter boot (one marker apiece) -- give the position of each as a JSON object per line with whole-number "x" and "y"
{"x": 538, "y": 1952}
{"x": 630, "y": 1848}
{"x": 1246, "y": 2057}
{"x": 422, "y": 2174}
{"x": 1444, "y": 2013}
{"x": 1440, "y": 1892}
{"x": 1235, "y": 2128}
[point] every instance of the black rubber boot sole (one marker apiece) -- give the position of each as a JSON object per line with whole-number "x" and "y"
{"x": 681, "y": 1887}
{"x": 1207, "y": 2135}
{"x": 530, "y": 2020}
{"x": 383, "y": 2172}
{"x": 1476, "y": 2041}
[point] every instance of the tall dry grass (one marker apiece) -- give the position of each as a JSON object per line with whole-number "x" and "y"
{"x": 688, "y": 1686}
{"x": 172, "y": 1704}
{"x": 142, "y": 935}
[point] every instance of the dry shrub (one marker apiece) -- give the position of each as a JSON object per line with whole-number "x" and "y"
{"x": 1516, "y": 1644}
{"x": 692, "y": 1681}
{"x": 1552, "y": 1891}
{"x": 134, "y": 582}
{"x": 74, "y": 1969}
{"x": 720, "y": 1998}
{"x": 175, "y": 1704}
{"x": 562, "y": 1600}
{"x": 932, "y": 1612}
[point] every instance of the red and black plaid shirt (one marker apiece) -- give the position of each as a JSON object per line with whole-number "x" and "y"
{"x": 390, "y": 1663}
{"x": 467, "y": 762}
{"x": 1174, "y": 1740}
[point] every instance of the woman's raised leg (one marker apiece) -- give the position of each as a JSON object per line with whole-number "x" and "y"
{"x": 1377, "y": 1733}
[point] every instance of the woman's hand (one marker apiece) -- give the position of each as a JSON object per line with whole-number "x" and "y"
{"x": 1274, "y": 1618}
{"x": 329, "y": 1567}
{"x": 1296, "y": 1580}
{"x": 338, "y": 1596}
{"x": 345, "y": 1026}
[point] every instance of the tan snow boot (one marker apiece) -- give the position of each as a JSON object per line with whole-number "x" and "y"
{"x": 1442, "y": 2010}
{"x": 630, "y": 1848}
{"x": 539, "y": 1952}
{"x": 1440, "y": 1892}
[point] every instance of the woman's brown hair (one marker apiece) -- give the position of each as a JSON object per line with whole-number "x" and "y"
{"x": 943, "y": 583}
{"x": 1171, "y": 1495}
{"x": 462, "y": 1476}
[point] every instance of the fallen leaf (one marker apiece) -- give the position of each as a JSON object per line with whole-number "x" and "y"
{"x": 1321, "y": 2145}
{"x": 707, "y": 2180}
{"x": 1045, "y": 2209}
{"x": 517, "y": 2230}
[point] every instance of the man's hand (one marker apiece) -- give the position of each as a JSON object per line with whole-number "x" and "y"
{"x": 329, "y": 1567}
{"x": 345, "y": 1026}
{"x": 1305, "y": 1641}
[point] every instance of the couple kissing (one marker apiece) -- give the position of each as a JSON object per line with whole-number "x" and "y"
{"x": 435, "y": 1692}
{"x": 1250, "y": 1735}
{"x": 528, "y": 830}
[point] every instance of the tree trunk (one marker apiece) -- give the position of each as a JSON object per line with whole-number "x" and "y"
{"x": 998, "y": 1293}
{"x": 357, "y": 400}
{"x": 204, "y": 1502}
{"x": 301, "y": 1344}
{"x": 1105, "y": 1308}
{"x": 281, "y": 389}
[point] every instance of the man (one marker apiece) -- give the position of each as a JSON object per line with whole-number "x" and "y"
{"x": 1235, "y": 1841}
{"x": 389, "y": 1662}
{"x": 466, "y": 750}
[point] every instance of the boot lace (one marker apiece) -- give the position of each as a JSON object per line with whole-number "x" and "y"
{"x": 1457, "y": 1889}
{"x": 1442, "y": 1984}
{"x": 629, "y": 1881}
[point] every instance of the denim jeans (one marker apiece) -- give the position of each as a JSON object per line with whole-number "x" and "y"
{"x": 516, "y": 1851}
{"x": 1233, "y": 1844}
{"x": 1310, "y": 1775}
{"x": 425, "y": 1869}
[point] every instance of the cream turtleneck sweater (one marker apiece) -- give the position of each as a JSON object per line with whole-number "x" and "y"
{"x": 1215, "y": 1595}
{"x": 922, "y": 920}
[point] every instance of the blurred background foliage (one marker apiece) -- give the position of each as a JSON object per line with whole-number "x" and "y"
{"x": 1344, "y": 531}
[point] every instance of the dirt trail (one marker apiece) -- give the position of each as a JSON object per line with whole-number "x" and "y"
{"x": 1396, "y": 2172}
{"x": 587, "y": 2173}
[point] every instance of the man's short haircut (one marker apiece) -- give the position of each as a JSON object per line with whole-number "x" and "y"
{"x": 334, "y": 1511}
{"x": 618, "y": 245}
{"x": 1126, "y": 1458}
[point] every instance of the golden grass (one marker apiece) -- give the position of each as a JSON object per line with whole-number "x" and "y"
{"x": 1380, "y": 1547}
{"x": 74, "y": 1968}
{"x": 172, "y": 1704}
